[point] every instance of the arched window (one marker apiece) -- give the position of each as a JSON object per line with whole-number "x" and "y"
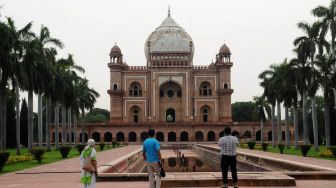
{"x": 135, "y": 115}
{"x": 170, "y": 115}
{"x": 135, "y": 90}
{"x": 205, "y": 89}
{"x": 225, "y": 86}
{"x": 205, "y": 115}
{"x": 115, "y": 86}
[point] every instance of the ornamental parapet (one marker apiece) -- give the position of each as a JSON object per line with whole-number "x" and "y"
{"x": 200, "y": 67}
{"x": 137, "y": 68}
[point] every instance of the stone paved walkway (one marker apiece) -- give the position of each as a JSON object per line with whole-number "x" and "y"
{"x": 298, "y": 159}
{"x": 65, "y": 174}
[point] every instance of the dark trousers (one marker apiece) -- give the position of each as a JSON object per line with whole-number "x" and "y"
{"x": 226, "y": 162}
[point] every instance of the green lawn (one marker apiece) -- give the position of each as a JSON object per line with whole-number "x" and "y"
{"x": 50, "y": 157}
{"x": 291, "y": 151}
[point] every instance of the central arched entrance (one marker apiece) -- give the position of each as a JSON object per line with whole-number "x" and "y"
{"x": 170, "y": 115}
{"x": 170, "y": 101}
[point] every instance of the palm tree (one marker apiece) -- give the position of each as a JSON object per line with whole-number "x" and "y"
{"x": 49, "y": 92}
{"x": 30, "y": 62}
{"x": 86, "y": 99}
{"x": 303, "y": 74}
{"x": 68, "y": 73}
{"x": 308, "y": 42}
{"x": 6, "y": 72}
{"x": 20, "y": 37}
{"x": 274, "y": 86}
{"x": 289, "y": 92}
{"x": 44, "y": 39}
{"x": 327, "y": 17}
{"x": 325, "y": 65}
{"x": 261, "y": 108}
{"x": 269, "y": 93}
{"x": 294, "y": 84}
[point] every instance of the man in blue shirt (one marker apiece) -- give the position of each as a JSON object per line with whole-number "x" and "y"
{"x": 151, "y": 154}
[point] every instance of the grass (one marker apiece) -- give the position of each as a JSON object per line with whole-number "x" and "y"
{"x": 290, "y": 151}
{"x": 49, "y": 157}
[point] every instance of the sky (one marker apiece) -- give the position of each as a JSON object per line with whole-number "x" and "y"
{"x": 258, "y": 33}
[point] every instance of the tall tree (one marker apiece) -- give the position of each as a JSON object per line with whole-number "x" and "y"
{"x": 6, "y": 72}
{"x": 303, "y": 74}
{"x": 68, "y": 76}
{"x": 261, "y": 108}
{"x": 45, "y": 41}
{"x": 308, "y": 43}
{"x": 327, "y": 15}
{"x": 289, "y": 92}
{"x": 20, "y": 38}
{"x": 86, "y": 99}
{"x": 272, "y": 78}
{"x": 269, "y": 93}
{"x": 325, "y": 65}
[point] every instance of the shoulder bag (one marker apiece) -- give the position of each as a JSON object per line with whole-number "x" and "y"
{"x": 88, "y": 164}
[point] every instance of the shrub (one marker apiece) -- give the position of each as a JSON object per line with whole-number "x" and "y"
{"x": 251, "y": 144}
{"x": 19, "y": 159}
{"x": 38, "y": 153}
{"x": 64, "y": 150}
{"x": 326, "y": 153}
{"x": 264, "y": 146}
{"x": 102, "y": 146}
{"x": 305, "y": 149}
{"x": 281, "y": 148}
{"x": 114, "y": 144}
{"x": 332, "y": 150}
{"x": 3, "y": 159}
{"x": 80, "y": 148}
{"x": 117, "y": 144}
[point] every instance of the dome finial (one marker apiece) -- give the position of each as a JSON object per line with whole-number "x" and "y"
{"x": 168, "y": 10}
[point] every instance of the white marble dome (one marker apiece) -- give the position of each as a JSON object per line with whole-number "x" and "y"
{"x": 169, "y": 37}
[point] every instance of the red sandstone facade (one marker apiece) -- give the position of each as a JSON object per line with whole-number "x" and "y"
{"x": 181, "y": 101}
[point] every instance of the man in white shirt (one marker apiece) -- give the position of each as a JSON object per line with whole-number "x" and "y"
{"x": 228, "y": 145}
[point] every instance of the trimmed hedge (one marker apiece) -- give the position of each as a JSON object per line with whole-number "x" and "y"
{"x": 38, "y": 153}
{"x": 3, "y": 159}
{"x": 281, "y": 148}
{"x": 251, "y": 145}
{"x": 80, "y": 148}
{"x": 264, "y": 146}
{"x": 64, "y": 150}
{"x": 305, "y": 149}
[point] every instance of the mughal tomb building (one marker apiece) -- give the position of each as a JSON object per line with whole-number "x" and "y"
{"x": 181, "y": 101}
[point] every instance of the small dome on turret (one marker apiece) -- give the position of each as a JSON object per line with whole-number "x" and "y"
{"x": 116, "y": 55}
{"x": 115, "y": 50}
{"x": 224, "y": 49}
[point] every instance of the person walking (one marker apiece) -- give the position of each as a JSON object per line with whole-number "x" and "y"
{"x": 152, "y": 156}
{"x": 228, "y": 145}
{"x": 88, "y": 179}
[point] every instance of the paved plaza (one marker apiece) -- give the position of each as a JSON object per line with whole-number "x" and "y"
{"x": 66, "y": 173}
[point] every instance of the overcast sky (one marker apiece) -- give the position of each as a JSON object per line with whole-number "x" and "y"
{"x": 258, "y": 32}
